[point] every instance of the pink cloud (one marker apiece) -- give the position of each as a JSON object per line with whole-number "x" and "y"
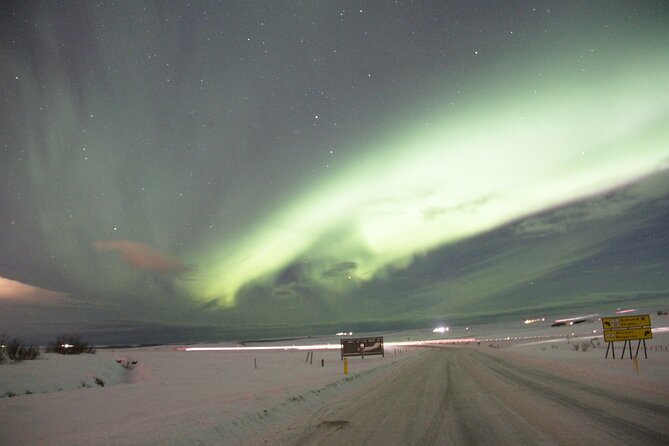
{"x": 12, "y": 290}
{"x": 143, "y": 257}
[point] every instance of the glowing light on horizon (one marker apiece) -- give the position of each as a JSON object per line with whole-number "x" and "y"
{"x": 577, "y": 319}
{"x": 22, "y": 292}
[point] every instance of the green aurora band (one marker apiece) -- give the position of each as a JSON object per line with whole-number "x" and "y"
{"x": 443, "y": 177}
{"x": 276, "y": 166}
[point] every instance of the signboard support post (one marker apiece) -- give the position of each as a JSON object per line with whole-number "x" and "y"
{"x": 645, "y": 353}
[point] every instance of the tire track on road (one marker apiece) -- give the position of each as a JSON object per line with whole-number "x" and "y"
{"x": 606, "y": 413}
{"x": 570, "y": 383}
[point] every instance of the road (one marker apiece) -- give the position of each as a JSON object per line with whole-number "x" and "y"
{"x": 464, "y": 397}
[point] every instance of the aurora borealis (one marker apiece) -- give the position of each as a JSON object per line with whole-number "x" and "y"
{"x": 189, "y": 165}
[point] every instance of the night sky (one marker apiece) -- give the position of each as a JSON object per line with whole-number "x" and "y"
{"x": 183, "y": 170}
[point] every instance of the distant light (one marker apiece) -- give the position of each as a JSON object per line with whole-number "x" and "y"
{"x": 574, "y": 320}
{"x": 344, "y": 333}
{"x": 532, "y": 321}
{"x": 440, "y": 330}
{"x": 67, "y": 345}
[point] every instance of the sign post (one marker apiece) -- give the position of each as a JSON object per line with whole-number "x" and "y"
{"x": 627, "y": 329}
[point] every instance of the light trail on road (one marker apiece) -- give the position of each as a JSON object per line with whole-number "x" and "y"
{"x": 322, "y": 346}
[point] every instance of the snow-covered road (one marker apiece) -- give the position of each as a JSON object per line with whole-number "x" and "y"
{"x": 465, "y": 396}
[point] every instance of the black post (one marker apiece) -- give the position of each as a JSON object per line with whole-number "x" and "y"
{"x": 644, "y": 349}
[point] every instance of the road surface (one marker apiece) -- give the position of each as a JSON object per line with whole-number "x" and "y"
{"x": 462, "y": 397}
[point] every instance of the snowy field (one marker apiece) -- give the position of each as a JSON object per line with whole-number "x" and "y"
{"x": 167, "y": 395}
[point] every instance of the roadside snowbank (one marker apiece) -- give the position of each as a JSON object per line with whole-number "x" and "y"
{"x": 167, "y": 396}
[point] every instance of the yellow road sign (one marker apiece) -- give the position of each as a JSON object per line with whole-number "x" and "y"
{"x": 642, "y": 320}
{"x": 628, "y": 334}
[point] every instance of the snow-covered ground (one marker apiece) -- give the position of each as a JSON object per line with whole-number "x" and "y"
{"x": 169, "y": 396}
{"x": 165, "y": 395}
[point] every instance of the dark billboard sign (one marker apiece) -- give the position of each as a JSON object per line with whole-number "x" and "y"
{"x": 362, "y": 346}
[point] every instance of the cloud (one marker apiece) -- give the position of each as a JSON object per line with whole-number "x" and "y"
{"x": 11, "y": 290}
{"x": 341, "y": 269}
{"x": 599, "y": 208}
{"x": 471, "y": 206}
{"x": 143, "y": 257}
